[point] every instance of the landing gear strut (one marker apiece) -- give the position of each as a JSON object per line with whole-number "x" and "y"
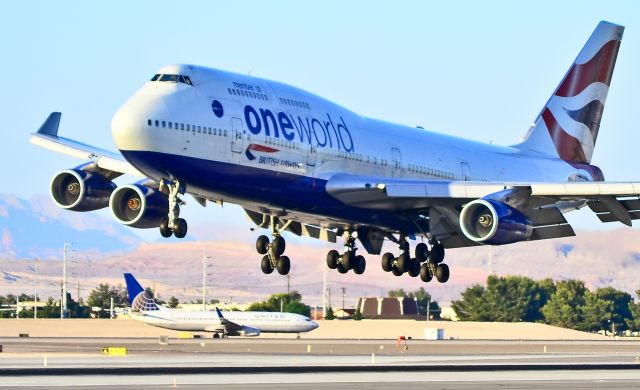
{"x": 349, "y": 259}
{"x": 173, "y": 224}
{"x": 273, "y": 251}
{"x": 426, "y": 263}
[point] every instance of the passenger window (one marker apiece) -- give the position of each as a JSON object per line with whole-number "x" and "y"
{"x": 188, "y": 127}
{"x": 225, "y": 133}
{"x": 170, "y": 125}
{"x": 164, "y": 124}
{"x": 181, "y": 126}
{"x": 149, "y": 122}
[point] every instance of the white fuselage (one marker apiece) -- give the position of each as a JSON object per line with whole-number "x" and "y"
{"x": 208, "y": 321}
{"x": 261, "y": 143}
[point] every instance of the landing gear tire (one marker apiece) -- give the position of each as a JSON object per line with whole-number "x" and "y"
{"x": 437, "y": 253}
{"x": 387, "y": 262}
{"x": 396, "y": 272}
{"x": 348, "y": 260}
{"x": 278, "y": 246}
{"x": 262, "y": 244}
{"x": 181, "y": 228}
{"x": 265, "y": 265}
{"x": 332, "y": 259}
{"x": 402, "y": 263}
{"x": 342, "y": 269}
{"x": 283, "y": 265}
{"x": 422, "y": 252}
{"x": 425, "y": 273}
{"x": 165, "y": 231}
{"x": 442, "y": 273}
{"x": 360, "y": 265}
{"x": 414, "y": 268}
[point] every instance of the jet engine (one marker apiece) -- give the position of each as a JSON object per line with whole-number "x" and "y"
{"x": 248, "y": 331}
{"x": 78, "y": 190}
{"x": 488, "y": 221}
{"x": 139, "y": 206}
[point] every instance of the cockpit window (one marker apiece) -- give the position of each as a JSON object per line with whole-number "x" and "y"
{"x": 172, "y": 78}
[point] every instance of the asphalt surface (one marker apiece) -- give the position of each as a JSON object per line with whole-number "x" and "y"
{"x": 305, "y": 364}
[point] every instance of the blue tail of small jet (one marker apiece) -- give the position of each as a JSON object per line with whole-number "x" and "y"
{"x": 133, "y": 287}
{"x": 138, "y": 298}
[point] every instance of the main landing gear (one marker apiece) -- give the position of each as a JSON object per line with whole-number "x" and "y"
{"x": 172, "y": 224}
{"x": 273, "y": 251}
{"x": 349, "y": 259}
{"x": 426, "y": 263}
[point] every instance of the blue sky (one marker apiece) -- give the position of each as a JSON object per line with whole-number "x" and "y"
{"x": 479, "y": 70}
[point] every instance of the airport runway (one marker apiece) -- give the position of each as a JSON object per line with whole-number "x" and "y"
{"x": 329, "y": 364}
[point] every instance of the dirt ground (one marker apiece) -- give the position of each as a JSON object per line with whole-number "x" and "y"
{"x": 336, "y": 329}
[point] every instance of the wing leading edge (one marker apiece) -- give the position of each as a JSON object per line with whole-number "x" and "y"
{"x": 47, "y": 137}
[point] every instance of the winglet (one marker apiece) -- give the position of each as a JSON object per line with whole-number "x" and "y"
{"x": 133, "y": 287}
{"x": 50, "y": 126}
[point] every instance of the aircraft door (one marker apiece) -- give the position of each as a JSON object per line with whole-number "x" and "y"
{"x": 311, "y": 157}
{"x": 396, "y": 158}
{"x": 466, "y": 171}
{"x": 236, "y": 135}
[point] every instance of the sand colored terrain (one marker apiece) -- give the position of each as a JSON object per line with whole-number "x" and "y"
{"x": 366, "y": 329}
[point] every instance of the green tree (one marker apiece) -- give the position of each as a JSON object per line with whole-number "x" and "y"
{"x": 633, "y": 323}
{"x": 329, "y": 315}
{"x": 357, "y": 316}
{"x": 101, "y": 297}
{"x": 297, "y": 307}
{"x": 596, "y": 312}
{"x": 619, "y": 302}
{"x": 565, "y": 307}
{"x": 289, "y": 302}
{"x": 399, "y": 293}
{"x": 173, "y": 302}
{"x": 472, "y": 306}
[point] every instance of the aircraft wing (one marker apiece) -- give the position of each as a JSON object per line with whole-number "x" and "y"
{"x": 229, "y": 326}
{"x": 437, "y": 204}
{"x": 47, "y": 137}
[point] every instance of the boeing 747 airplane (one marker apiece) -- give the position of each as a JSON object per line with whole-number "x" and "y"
{"x": 233, "y": 323}
{"x": 299, "y": 163}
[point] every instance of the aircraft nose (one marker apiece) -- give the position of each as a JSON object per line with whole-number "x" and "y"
{"x": 131, "y": 125}
{"x": 314, "y": 325}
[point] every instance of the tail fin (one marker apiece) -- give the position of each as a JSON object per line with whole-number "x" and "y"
{"x": 568, "y": 125}
{"x": 138, "y": 297}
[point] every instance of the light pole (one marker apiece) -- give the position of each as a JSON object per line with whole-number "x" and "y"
{"x": 35, "y": 289}
{"x": 63, "y": 301}
{"x": 204, "y": 278}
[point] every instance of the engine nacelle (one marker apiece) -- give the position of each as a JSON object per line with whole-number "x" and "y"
{"x": 248, "y": 331}
{"x": 79, "y": 190}
{"x": 488, "y": 221}
{"x": 138, "y": 206}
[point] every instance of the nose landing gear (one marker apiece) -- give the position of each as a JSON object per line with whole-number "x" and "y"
{"x": 173, "y": 224}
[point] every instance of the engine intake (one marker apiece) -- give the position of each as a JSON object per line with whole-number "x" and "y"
{"x": 138, "y": 206}
{"x": 79, "y": 190}
{"x": 488, "y": 221}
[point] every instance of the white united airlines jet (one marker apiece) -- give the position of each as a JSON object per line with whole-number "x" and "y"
{"x": 233, "y": 323}
{"x": 297, "y": 162}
